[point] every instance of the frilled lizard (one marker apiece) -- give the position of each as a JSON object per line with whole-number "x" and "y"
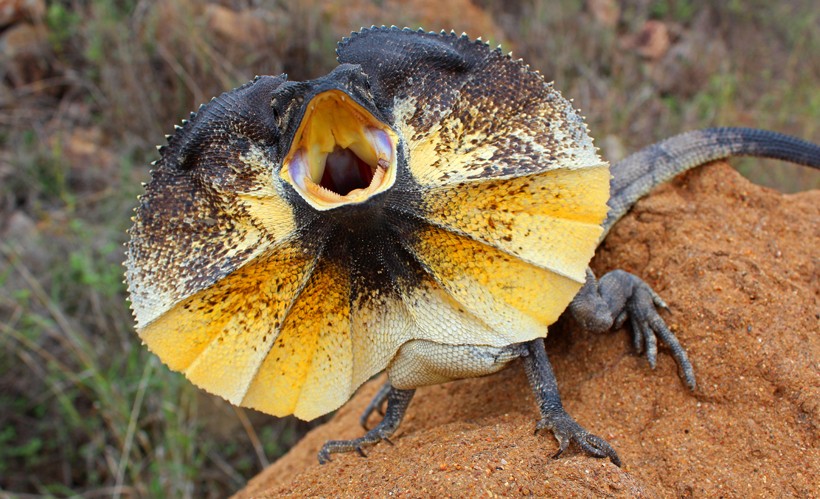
{"x": 427, "y": 209}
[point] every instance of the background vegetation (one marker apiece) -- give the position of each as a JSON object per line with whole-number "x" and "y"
{"x": 88, "y": 87}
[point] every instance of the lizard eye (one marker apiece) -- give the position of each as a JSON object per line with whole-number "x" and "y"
{"x": 341, "y": 154}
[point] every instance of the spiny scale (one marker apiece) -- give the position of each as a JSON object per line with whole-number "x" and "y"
{"x": 238, "y": 282}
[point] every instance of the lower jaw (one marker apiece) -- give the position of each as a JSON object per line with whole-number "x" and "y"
{"x": 329, "y": 199}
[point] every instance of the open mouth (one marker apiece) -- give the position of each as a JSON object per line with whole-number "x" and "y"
{"x": 340, "y": 154}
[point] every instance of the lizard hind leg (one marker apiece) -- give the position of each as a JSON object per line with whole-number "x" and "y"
{"x": 397, "y": 402}
{"x": 553, "y": 416}
{"x": 606, "y": 303}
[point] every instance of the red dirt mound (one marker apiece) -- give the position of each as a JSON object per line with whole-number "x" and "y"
{"x": 738, "y": 265}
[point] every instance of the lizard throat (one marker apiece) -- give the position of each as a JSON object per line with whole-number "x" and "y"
{"x": 340, "y": 153}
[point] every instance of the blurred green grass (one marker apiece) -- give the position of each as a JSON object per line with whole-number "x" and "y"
{"x": 87, "y": 410}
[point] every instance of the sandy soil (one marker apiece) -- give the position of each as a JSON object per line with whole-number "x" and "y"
{"x": 738, "y": 265}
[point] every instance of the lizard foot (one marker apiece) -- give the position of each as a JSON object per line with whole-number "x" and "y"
{"x": 566, "y": 430}
{"x": 607, "y": 303}
{"x": 397, "y": 402}
{"x": 553, "y": 416}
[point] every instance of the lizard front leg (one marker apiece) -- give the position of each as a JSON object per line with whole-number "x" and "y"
{"x": 606, "y": 303}
{"x": 553, "y": 416}
{"x": 397, "y": 402}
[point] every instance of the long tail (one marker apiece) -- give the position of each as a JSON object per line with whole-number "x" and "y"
{"x": 634, "y": 176}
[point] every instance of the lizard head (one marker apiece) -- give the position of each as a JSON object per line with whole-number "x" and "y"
{"x": 340, "y": 150}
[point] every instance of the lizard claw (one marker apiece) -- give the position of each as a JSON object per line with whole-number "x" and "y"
{"x": 553, "y": 416}
{"x": 648, "y": 326}
{"x": 372, "y": 437}
{"x": 566, "y": 430}
{"x": 324, "y": 455}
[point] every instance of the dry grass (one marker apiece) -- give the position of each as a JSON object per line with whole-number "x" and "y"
{"x": 88, "y": 411}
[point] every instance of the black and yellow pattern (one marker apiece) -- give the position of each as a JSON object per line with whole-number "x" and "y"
{"x": 472, "y": 204}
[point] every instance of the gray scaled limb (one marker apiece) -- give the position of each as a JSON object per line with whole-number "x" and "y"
{"x": 606, "y": 303}
{"x": 553, "y": 416}
{"x": 397, "y": 402}
{"x": 376, "y": 404}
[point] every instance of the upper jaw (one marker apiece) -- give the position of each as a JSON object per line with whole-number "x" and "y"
{"x": 340, "y": 154}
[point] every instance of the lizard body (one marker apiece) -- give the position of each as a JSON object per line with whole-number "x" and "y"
{"x": 428, "y": 208}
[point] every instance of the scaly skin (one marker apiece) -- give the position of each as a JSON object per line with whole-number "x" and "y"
{"x": 427, "y": 209}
